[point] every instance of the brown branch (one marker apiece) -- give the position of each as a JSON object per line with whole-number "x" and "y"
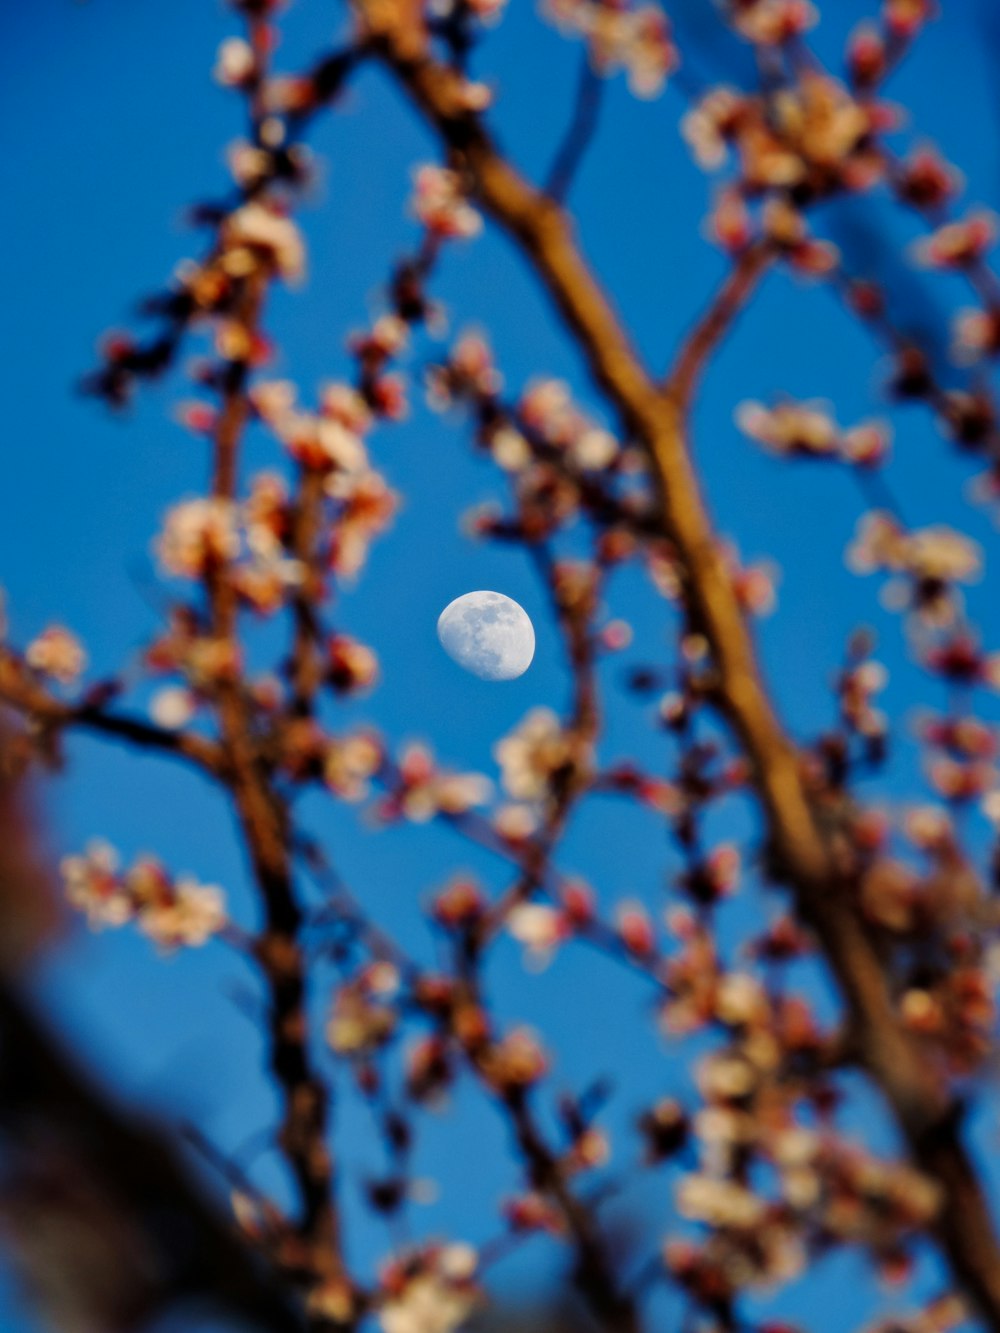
{"x": 704, "y": 338}
{"x": 801, "y": 856}
{"x": 594, "y": 1272}
{"x": 23, "y": 692}
{"x": 306, "y": 666}
{"x": 582, "y": 727}
{"x": 265, "y": 826}
{"x": 594, "y": 1275}
{"x": 236, "y": 764}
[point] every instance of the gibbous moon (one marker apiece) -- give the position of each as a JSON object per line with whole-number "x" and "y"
{"x": 488, "y": 634}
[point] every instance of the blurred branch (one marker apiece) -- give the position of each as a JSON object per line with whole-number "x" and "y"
{"x": 21, "y": 691}
{"x": 264, "y": 822}
{"x": 105, "y": 1220}
{"x": 579, "y": 134}
{"x": 708, "y": 333}
{"x": 52, "y": 1116}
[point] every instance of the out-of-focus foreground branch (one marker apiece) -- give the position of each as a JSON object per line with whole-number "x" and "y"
{"x": 103, "y": 1220}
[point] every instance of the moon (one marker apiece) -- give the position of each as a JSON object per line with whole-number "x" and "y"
{"x": 487, "y": 634}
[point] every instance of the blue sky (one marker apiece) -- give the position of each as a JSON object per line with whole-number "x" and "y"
{"x": 110, "y": 125}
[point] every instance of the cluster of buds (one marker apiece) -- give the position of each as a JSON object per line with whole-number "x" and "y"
{"x": 375, "y": 350}
{"x": 468, "y": 375}
{"x": 857, "y": 688}
{"x": 198, "y": 537}
{"x": 260, "y": 236}
{"x": 204, "y": 662}
{"x": 961, "y": 755}
{"x": 330, "y": 440}
{"x": 171, "y": 911}
{"x": 953, "y": 1012}
{"x": 737, "y": 1259}
{"x": 362, "y": 1015}
{"x": 346, "y": 764}
{"x": 771, "y": 22}
{"x": 249, "y": 543}
{"x": 692, "y": 976}
{"x": 365, "y": 507}
{"x": 441, "y": 205}
{"x": 254, "y": 240}
{"x": 509, "y": 1065}
{"x": 57, "y": 654}
{"x": 632, "y": 37}
{"x": 548, "y": 412}
{"x": 957, "y": 657}
{"x": 958, "y": 244}
{"x": 826, "y": 1189}
{"x": 783, "y": 227}
{"x": 806, "y": 430}
{"x": 513, "y": 1063}
{"x": 929, "y": 563}
{"x": 812, "y": 136}
{"x": 539, "y": 756}
{"x": 419, "y": 790}
{"x": 873, "y": 1202}
{"x": 430, "y": 1290}
{"x": 561, "y": 461}
{"x": 351, "y": 666}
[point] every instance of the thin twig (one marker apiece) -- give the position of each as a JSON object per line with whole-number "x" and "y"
{"x": 698, "y": 346}
{"x": 579, "y": 134}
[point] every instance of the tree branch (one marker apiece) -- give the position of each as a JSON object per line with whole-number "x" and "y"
{"x": 264, "y": 822}
{"x": 21, "y": 690}
{"x": 105, "y": 1217}
{"x": 704, "y": 338}
{"x": 197, "y": 1255}
{"x": 801, "y": 856}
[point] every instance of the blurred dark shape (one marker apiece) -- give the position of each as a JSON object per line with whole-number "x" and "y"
{"x": 99, "y": 1216}
{"x": 31, "y": 914}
